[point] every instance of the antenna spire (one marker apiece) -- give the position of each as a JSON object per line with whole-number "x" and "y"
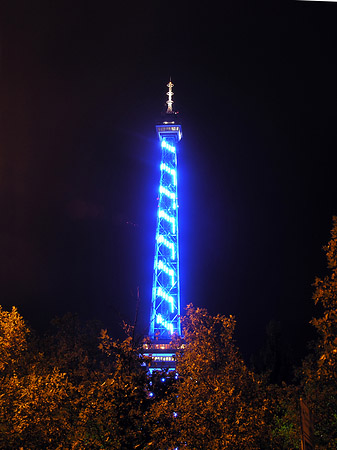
{"x": 170, "y": 94}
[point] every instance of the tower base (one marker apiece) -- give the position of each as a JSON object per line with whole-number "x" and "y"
{"x": 162, "y": 354}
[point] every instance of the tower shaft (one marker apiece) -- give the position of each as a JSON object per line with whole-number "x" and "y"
{"x": 165, "y": 306}
{"x": 166, "y": 287}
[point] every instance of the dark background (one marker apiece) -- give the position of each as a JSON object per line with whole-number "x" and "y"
{"x": 81, "y": 87}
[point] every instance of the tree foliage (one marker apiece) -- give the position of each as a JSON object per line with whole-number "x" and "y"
{"x": 113, "y": 405}
{"x": 319, "y": 370}
{"x": 13, "y": 339}
{"x": 76, "y": 388}
{"x": 218, "y": 403}
{"x": 33, "y": 400}
{"x": 326, "y": 295}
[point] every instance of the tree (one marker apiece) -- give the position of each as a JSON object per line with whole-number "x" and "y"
{"x": 72, "y": 346}
{"x": 36, "y": 410}
{"x": 326, "y": 295}
{"x": 113, "y": 404}
{"x": 13, "y": 343}
{"x": 218, "y": 403}
{"x": 320, "y": 368}
{"x": 284, "y": 417}
{"x": 275, "y": 357}
{"x": 34, "y": 400}
{"x": 13, "y": 339}
{"x": 72, "y": 395}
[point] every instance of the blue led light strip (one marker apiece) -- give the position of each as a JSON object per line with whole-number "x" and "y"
{"x": 167, "y": 270}
{"x": 168, "y": 147}
{"x": 165, "y": 323}
{"x": 161, "y": 293}
{"x": 162, "y": 240}
{"x": 163, "y": 215}
{"x": 170, "y": 195}
{"x": 170, "y": 171}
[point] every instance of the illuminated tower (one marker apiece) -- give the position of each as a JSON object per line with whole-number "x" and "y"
{"x": 165, "y": 307}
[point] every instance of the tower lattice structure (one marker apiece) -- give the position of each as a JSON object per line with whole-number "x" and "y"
{"x": 165, "y": 310}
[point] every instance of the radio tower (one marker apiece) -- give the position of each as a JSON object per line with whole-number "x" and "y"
{"x": 165, "y": 307}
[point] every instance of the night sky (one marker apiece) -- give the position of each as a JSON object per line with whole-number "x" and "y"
{"x": 81, "y": 88}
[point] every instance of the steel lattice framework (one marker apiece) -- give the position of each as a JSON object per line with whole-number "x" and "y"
{"x": 165, "y": 309}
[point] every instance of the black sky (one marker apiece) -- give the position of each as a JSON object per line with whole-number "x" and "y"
{"x": 81, "y": 87}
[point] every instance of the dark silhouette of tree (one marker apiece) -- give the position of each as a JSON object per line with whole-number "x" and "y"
{"x": 275, "y": 358}
{"x": 71, "y": 345}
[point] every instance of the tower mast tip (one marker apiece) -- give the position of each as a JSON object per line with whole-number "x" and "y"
{"x": 170, "y": 94}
